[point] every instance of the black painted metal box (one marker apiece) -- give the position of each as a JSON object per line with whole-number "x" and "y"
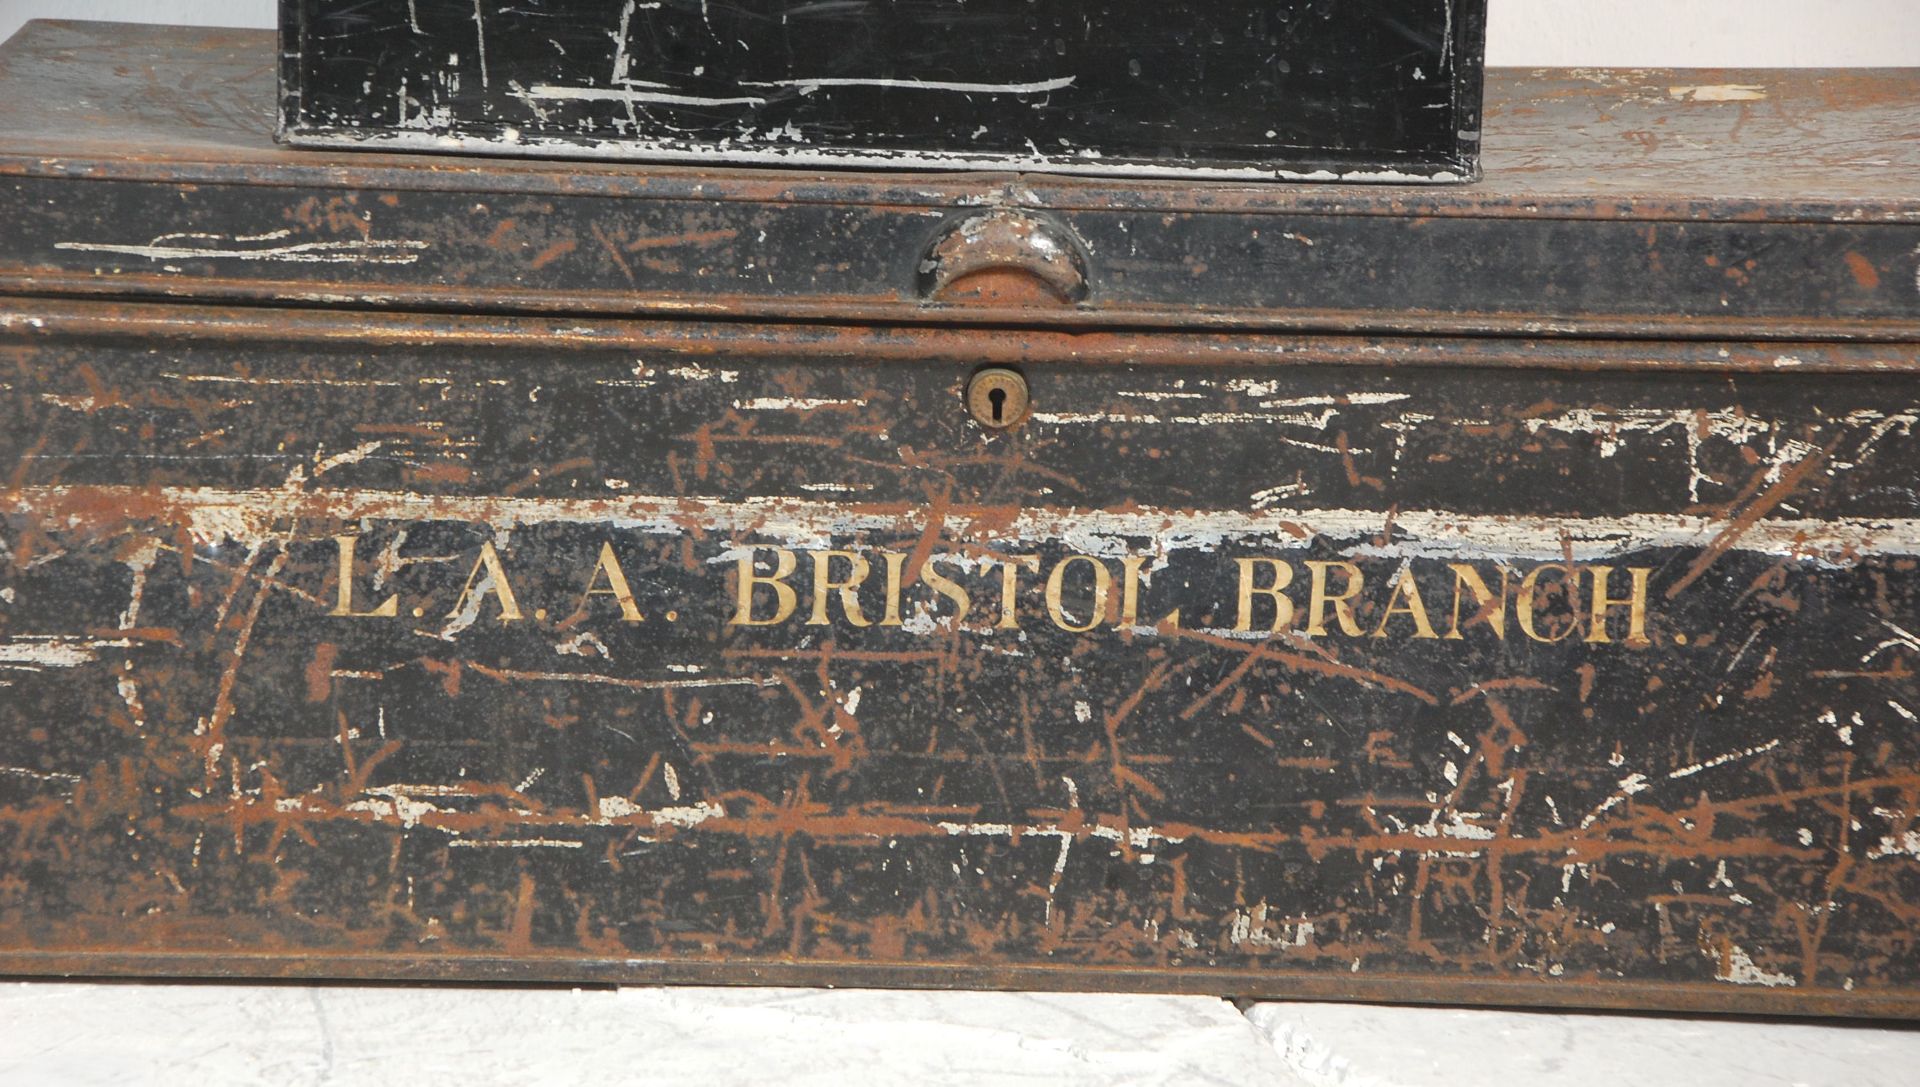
{"x": 451, "y": 567}
{"x": 1356, "y": 90}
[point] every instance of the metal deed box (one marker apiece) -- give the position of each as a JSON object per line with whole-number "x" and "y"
{"x": 1384, "y": 90}
{"x": 437, "y": 567}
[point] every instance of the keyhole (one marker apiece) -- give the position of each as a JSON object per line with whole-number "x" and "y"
{"x": 997, "y": 398}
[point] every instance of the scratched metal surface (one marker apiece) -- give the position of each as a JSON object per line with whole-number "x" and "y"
{"x": 1732, "y": 204}
{"x": 1320, "y": 90}
{"x": 219, "y": 761}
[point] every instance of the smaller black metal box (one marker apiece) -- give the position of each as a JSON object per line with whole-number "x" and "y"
{"x": 1352, "y": 90}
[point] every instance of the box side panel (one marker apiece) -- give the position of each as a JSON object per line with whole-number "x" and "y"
{"x": 1469, "y": 89}
{"x": 291, "y": 42}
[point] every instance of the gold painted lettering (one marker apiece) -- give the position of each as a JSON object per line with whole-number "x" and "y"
{"x": 940, "y": 583}
{"x": 1523, "y": 607}
{"x": 609, "y": 568}
{"x": 1636, "y": 604}
{"x": 343, "y": 597}
{"x": 1466, "y": 577}
{"x": 1282, "y": 606}
{"x": 896, "y": 562}
{"x": 1130, "y": 577}
{"x": 747, "y": 582}
{"x": 1342, "y": 602}
{"x": 849, "y": 589}
{"x": 1010, "y": 587}
{"x": 1405, "y": 600}
{"x": 1102, "y": 585}
{"x": 496, "y": 583}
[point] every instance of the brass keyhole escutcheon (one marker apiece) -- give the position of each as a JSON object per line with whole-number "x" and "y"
{"x": 997, "y": 398}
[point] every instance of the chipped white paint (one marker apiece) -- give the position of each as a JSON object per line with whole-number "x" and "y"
{"x": 352, "y": 456}
{"x": 618, "y": 809}
{"x": 213, "y": 515}
{"x": 129, "y": 692}
{"x": 1158, "y": 394}
{"x": 1310, "y": 421}
{"x": 1906, "y": 844}
{"x": 1138, "y": 838}
{"x": 584, "y": 644}
{"x": 1722, "y": 760}
{"x": 692, "y": 372}
{"x": 517, "y": 843}
{"x": 801, "y": 403}
{"x": 471, "y": 602}
{"x": 1843, "y": 732}
{"x": 1902, "y": 639}
{"x": 37, "y": 651}
{"x": 1629, "y": 785}
{"x": 365, "y": 251}
{"x": 1456, "y": 826}
{"x": 71, "y": 403}
{"x": 139, "y": 564}
{"x": 808, "y": 86}
{"x": 691, "y": 815}
{"x": 641, "y": 684}
{"x": 1084, "y": 162}
{"x": 1267, "y": 388}
{"x": 1878, "y": 425}
{"x": 39, "y": 775}
{"x": 397, "y": 802}
{"x": 324, "y": 382}
{"x": 1095, "y": 417}
{"x": 629, "y": 94}
{"x": 1249, "y": 928}
{"x": 1720, "y": 92}
{"x": 1274, "y": 495}
{"x": 1696, "y": 427}
{"x": 1737, "y": 966}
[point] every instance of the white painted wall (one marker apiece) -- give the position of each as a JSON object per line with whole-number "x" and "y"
{"x": 1595, "y": 33}
{"x": 1705, "y": 33}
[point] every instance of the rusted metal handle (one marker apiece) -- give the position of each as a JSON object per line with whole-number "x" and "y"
{"x": 994, "y": 247}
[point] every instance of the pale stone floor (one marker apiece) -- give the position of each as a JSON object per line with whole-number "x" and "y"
{"x": 211, "y": 1034}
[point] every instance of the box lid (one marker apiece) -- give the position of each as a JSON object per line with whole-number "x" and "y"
{"x": 139, "y": 162}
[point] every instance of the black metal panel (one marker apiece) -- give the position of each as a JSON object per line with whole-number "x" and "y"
{"x": 1360, "y": 89}
{"x": 419, "y": 646}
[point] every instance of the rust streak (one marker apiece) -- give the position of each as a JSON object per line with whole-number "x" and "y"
{"x": 1730, "y": 535}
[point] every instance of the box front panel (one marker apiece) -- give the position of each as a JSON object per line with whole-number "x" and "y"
{"x": 558, "y": 651}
